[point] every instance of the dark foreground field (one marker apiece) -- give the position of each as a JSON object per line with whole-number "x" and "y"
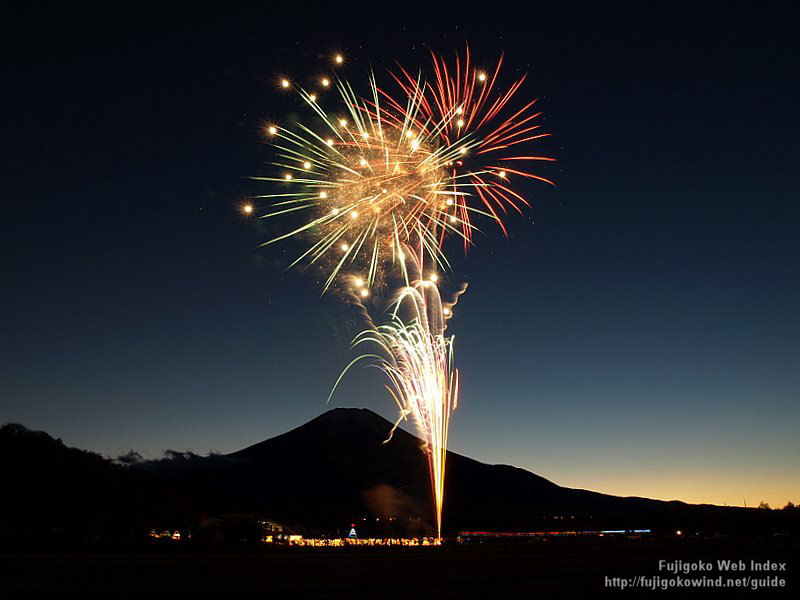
{"x": 545, "y": 569}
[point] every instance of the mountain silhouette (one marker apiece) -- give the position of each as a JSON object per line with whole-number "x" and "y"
{"x": 347, "y": 454}
{"x": 342, "y": 468}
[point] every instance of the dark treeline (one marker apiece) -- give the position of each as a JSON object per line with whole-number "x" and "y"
{"x": 57, "y": 494}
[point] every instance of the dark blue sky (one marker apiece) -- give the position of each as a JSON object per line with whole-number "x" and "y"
{"x": 638, "y": 334}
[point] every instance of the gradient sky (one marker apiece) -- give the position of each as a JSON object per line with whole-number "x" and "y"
{"x": 637, "y": 334}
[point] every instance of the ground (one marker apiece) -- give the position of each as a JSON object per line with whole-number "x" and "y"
{"x": 555, "y": 569}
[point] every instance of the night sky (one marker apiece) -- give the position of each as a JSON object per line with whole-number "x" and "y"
{"x": 637, "y": 333}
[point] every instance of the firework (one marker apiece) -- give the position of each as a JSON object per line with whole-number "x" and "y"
{"x": 409, "y": 168}
{"x": 379, "y": 183}
{"x": 417, "y": 358}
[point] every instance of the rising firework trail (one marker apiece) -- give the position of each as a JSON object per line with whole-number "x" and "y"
{"x": 417, "y": 358}
{"x": 378, "y": 182}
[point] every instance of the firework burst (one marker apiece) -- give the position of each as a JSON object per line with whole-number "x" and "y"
{"x": 409, "y": 168}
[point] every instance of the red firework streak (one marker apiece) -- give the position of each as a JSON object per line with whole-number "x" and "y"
{"x": 484, "y": 115}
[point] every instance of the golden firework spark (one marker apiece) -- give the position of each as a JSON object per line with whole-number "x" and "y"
{"x": 386, "y": 170}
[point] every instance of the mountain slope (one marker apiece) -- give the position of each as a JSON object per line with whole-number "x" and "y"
{"x": 339, "y": 467}
{"x": 335, "y": 470}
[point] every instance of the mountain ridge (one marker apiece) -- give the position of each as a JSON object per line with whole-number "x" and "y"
{"x": 347, "y": 456}
{"x": 336, "y": 469}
